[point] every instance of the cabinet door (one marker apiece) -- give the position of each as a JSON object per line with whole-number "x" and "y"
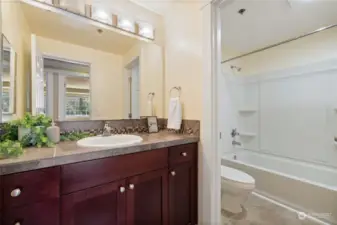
{"x": 182, "y": 194}
{"x": 147, "y": 199}
{"x": 102, "y": 205}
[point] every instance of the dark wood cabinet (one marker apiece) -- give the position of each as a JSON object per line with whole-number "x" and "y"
{"x": 182, "y": 194}
{"x": 103, "y": 205}
{"x": 147, "y": 199}
{"x": 157, "y": 187}
{"x": 83, "y": 175}
{"x": 41, "y": 213}
{"x": 30, "y": 187}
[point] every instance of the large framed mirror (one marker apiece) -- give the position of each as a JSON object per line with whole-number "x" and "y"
{"x": 81, "y": 69}
{"x": 8, "y": 80}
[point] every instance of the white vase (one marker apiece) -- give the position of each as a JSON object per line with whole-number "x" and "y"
{"x": 22, "y": 132}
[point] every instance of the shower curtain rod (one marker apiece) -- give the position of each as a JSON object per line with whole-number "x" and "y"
{"x": 280, "y": 43}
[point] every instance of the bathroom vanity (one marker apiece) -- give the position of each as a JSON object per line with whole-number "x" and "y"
{"x": 154, "y": 183}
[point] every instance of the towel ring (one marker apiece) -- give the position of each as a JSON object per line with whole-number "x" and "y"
{"x": 151, "y": 95}
{"x": 176, "y": 88}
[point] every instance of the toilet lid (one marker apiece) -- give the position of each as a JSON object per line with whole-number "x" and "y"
{"x": 236, "y": 175}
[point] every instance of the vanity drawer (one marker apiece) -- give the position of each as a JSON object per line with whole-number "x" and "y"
{"x": 33, "y": 186}
{"x": 42, "y": 213}
{"x": 182, "y": 153}
{"x": 83, "y": 175}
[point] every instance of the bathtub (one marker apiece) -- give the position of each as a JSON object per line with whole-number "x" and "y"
{"x": 298, "y": 186}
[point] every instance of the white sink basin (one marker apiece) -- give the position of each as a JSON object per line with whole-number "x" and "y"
{"x": 110, "y": 141}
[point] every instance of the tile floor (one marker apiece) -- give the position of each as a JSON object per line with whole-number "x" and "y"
{"x": 262, "y": 212}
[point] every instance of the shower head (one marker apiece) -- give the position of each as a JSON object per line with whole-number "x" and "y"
{"x": 238, "y": 69}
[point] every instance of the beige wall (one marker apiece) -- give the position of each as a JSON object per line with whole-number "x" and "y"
{"x": 106, "y": 75}
{"x": 151, "y": 70}
{"x": 17, "y": 32}
{"x": 183, "y": 56}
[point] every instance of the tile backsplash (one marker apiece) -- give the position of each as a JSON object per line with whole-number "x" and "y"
{"x": 191, "y": 127}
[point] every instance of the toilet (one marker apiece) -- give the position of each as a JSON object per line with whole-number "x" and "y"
{"x": 236, "y": 186}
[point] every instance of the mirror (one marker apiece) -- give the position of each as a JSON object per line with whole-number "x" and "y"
{"x": 8, "y": 80}
{"x": 80, "y": 66}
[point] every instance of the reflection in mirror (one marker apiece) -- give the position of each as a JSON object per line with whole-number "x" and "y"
{"x": 66, "y": 89}
{"x": 73, "y": 68}
{"x": 8, "y": 80}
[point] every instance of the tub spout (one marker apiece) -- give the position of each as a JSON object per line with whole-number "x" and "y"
{"x": 236, "y": 143}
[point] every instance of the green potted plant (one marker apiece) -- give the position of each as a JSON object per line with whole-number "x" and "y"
{"x": 9, "y": 148}
{"x": 24, "y": 125}
{"x": 32, "y": 124}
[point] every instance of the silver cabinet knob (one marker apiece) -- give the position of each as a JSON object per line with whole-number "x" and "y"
{"x": 16, "y": 193}
{"x": 184, "y": 154}
{"x": 173, "y": 173}
{"x": 122, "y": 189}
{"x": 17, "y": 223}
{"x": 131, "y": 186}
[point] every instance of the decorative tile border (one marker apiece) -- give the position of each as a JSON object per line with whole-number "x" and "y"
{"x": 191, "y": 127}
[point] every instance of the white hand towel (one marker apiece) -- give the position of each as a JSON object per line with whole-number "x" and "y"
{"x": 174, "y": 114}
{"x": 149, "y": 108}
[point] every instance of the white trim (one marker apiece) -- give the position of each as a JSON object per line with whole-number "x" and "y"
{"x": 50, "y": 95}
{"x": 52, "y": 57}
{"x": 69, "y": 73}
{"x": 61, "y": 97}
{"x": 210, "y": 156}
{"x": 34, "y": 71}
{"x": 12, "y": 80}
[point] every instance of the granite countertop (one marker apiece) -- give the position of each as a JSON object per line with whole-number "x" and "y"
{"x": 69, "y": 152}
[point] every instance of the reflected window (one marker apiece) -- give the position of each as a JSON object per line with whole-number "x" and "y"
{"x": 77, "y": 106}
{"x": 77, "y": 97}
{"x": 7, "y": 103}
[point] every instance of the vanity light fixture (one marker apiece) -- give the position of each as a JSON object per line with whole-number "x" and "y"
{"x": 145, "y": 30}
{"x": 126, "y": 24}
{"x": 75, "y": 6}
{"x": 101, "y": 15}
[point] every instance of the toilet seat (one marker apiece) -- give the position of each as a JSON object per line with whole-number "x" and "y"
{"x": 237, "y": 177}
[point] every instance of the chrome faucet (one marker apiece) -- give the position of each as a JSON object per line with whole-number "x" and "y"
{"x": 234, "y": 133}
{"x": 106, "y": 130}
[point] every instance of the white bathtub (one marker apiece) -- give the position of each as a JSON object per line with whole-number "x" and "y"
{"x": 299, "y": 185}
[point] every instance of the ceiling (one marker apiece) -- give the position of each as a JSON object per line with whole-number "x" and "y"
{"x": 267, "y": 22}
{"x": 56, "y": 26}
{"x": 161, "y": 6}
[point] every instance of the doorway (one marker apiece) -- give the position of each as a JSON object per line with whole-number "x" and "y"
{"x": 132, "y": 87}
